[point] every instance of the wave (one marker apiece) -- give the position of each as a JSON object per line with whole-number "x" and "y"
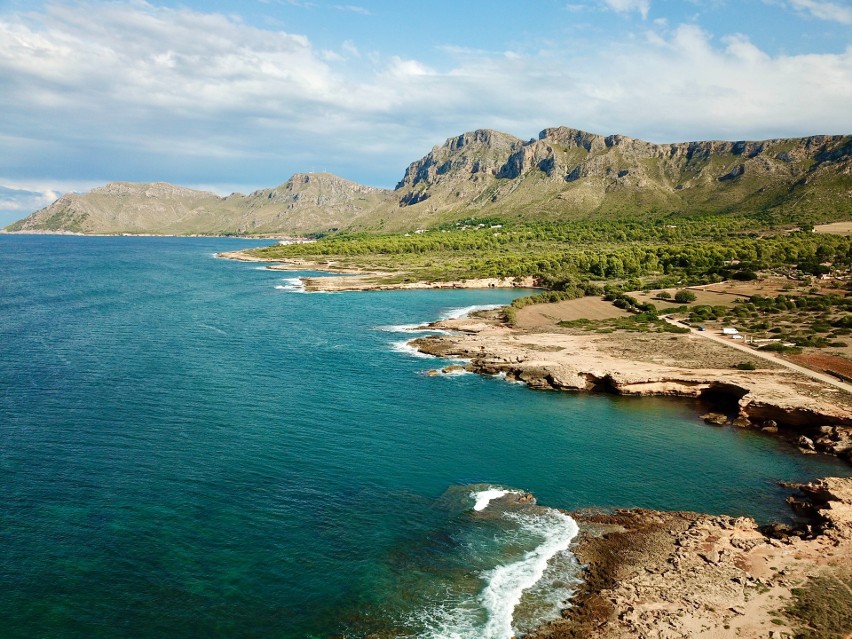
{"x": 502, "y": 375}
{"x": 213, "y": 328}
{"x": 443, "y": 372}
{"x": 292, "y": 284}
{"x": 484, "y": 497}
{"x": 507, "y": 583}
{"x": 407, "y": 349}
{"x": 518, "y": 557}
{"x": 411, "y": 328}
{"x": 464, "y": 311}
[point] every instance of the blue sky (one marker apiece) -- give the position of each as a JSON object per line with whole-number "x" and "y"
{"x": 233, "y": 95}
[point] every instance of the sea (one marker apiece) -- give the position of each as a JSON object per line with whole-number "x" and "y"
{"x": 195, "y": 447}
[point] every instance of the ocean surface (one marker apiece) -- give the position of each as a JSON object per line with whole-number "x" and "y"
{"x": 193, "y": 447}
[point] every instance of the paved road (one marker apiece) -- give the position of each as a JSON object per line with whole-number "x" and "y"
{"x": 828, "y": 379}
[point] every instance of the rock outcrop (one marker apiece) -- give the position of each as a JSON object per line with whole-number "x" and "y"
{"x": 683, "y": 575}
{"x": 775, "y": 400}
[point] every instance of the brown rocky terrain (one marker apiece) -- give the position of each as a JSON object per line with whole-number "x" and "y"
{"x": 653, "y": 575}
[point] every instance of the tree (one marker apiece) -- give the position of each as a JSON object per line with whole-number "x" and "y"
{"x": 684, "y": 297}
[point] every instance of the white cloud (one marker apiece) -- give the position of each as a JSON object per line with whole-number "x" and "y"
{"x": 147, "y": 92}
{"x": 626, "y": 6}
{"x": 825, "y": 10}
{"x": 351, "y": 48}
{"x": 353, "y": 9}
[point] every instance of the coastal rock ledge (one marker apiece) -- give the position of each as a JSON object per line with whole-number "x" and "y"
{"x": 677, "y": 575}
{"x": 774, "y": 399}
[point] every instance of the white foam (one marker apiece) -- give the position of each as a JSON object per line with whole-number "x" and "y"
{"x": 506, "y": 584}
{"x": 407, "y": 349}
{"x": 450, "y": 620}
{"x": 456, "y": 372}
{"x": 292, "y": 284}
{"x": 484, "y": 497}
{"x": 458, "y": 313}
{"x": 502, "y": 375}
{"x": 411, "y": 328}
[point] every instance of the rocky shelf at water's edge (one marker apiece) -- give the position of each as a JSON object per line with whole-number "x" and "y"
{"x": 678, "y": 575}
{"x": 775, "y": 399}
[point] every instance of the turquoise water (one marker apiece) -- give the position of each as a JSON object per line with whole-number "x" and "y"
{"x": 191, "y": 448}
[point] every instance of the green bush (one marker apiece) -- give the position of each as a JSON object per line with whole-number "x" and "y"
{"x": 778, "y": 347}
{"x": 746, "y": 366}
{"x": 684, "y": 297}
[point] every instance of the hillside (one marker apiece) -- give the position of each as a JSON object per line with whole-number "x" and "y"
{"x": 565, "y": 174}
{"x": 306, "y": 202}
{"x": 571, "y": 174}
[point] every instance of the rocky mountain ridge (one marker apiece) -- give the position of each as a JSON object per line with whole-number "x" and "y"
{"x": 565, "y": 173}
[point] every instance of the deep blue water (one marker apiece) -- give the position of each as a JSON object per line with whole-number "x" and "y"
{"x": 188, "y": 451}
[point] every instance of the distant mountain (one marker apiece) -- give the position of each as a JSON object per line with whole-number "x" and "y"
{"x": 564, "y": 174}
{"x": 306, "y": 202}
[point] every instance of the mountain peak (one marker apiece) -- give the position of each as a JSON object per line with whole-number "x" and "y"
{"x": 565, "y": 173}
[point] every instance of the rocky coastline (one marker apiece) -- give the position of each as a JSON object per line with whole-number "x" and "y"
{"x": 776, "y": 400}
{"x": 359, "y": 280}
{"x": 679, "y": 575}
{"x": 650, "y": 574}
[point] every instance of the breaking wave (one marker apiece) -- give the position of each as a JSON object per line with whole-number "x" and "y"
{"x": 464, "y": 311}
{"x": 292, "y": 284}
{"x": 505, "y": 567}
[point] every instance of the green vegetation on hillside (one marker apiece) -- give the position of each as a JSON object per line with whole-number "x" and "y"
{"x": 566, "y": 256}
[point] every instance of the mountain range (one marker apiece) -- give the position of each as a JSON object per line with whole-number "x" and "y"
{"x": 564, "y": 174}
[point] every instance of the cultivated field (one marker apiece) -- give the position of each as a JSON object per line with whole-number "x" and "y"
{"x": 593, "y": 308}
{"x": 838, "y": 228}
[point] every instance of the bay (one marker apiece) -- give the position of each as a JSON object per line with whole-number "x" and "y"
{"x": 190, "y": 447}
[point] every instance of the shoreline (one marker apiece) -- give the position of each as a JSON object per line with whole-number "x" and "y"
{"x": 350, "y": 279}
{"x": 653, "y": 574}
{"x": 773, "y": 399}
{"x": 79, "y": 234}
{"x": 650, "y": 574}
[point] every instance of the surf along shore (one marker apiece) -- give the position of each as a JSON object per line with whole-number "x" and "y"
{"x": 669, "y": 574}
{"x": 652, "y": 574}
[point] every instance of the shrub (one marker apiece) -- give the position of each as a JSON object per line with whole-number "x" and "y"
{"x": 744, "y": 276}
{"x": 746, "y": 366}
{"x": 777, "y": 347}
{"x": 664, "y": 295}
{"x": 684, "y": 297}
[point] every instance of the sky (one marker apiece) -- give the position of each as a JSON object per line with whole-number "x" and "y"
{"x": 237, "y": 95}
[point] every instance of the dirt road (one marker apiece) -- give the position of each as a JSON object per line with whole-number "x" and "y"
{"x": 768, "y": 356}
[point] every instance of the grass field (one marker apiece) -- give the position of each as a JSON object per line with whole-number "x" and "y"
{"x": 837, "y": 228}
{"x": 593, "y": 308}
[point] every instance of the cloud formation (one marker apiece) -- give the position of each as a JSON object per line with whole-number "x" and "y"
{"x": 147, "y": 92}
{"x": 626, "y": 6}
{"x": 825, "y": 10}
